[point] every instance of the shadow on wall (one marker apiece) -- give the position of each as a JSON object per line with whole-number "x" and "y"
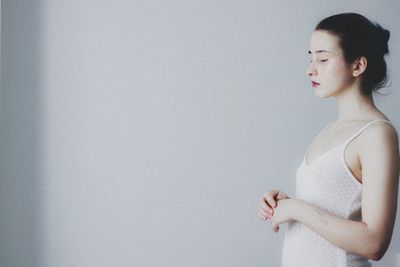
{"x": 20, "y": 134}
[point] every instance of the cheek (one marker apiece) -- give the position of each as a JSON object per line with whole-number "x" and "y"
{"x": 342, "y": 67}
{"x": 339, "y": 73}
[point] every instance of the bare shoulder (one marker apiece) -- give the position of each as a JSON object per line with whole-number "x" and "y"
{"x": 381, "y": 137}
{"x": 381, "y": 131}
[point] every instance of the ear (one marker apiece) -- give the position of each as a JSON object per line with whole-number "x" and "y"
{"x": 359, "y": 66}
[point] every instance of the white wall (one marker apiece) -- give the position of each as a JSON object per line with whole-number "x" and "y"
{"x": 142, "y": 133}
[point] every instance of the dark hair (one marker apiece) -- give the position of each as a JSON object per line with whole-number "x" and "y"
{"x": 360, "y": 37}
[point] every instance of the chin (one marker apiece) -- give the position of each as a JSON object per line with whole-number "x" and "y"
{"x": 322, "y": 94}
{"x": 327, "y": 92}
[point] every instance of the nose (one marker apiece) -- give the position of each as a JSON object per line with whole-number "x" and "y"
{"x": 311, "y": 70}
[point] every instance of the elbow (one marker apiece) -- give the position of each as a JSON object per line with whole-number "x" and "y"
{"x": 376, "y": 256}
{"x": 376, "y": 243}
{"x": 376, "y": 251}
{"x": 380, "y": 251}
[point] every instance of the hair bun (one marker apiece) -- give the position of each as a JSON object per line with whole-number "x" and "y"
{"x": 385, "y": 35}
{"x": 383, "y": 38}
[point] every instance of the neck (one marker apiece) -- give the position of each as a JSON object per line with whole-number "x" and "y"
{"x": 353, "y": 105}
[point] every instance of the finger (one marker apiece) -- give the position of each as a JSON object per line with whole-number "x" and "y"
{"x": 282, "y": 195}
{"x": 270, "y": 200}
{"x": 264, "y": 214}
{"x": 275, "y": 228}
{"x": 266, "y": 207}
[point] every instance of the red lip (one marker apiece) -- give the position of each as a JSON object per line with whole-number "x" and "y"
{"x": 314, "y": 84}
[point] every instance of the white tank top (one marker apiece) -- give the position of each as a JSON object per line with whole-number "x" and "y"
{"x": 327, "y": 183}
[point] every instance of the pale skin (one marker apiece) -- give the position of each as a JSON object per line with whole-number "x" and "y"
{"x": 373, "y": 158}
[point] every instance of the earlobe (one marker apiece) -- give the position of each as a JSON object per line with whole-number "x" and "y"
{"x": 360, "y": 65}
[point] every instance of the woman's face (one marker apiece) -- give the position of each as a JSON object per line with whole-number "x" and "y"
{"x": 330, "y": 74}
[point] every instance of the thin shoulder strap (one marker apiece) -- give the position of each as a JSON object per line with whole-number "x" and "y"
{"x": 364, "y": 128}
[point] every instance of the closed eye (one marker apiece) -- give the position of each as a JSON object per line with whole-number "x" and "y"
{"x": 320, "y": 60}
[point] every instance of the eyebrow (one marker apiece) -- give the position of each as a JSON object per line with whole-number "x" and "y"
{"x": 319, "y": 51}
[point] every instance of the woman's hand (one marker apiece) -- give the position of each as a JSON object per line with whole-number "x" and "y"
{"x": 268, "y": 202}
{"x": 283, "y": 213}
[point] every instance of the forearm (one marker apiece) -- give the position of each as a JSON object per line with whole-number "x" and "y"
{"x": 352, "y": 236}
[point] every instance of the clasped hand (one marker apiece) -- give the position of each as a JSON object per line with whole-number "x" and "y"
{"x": 275, "y": 205}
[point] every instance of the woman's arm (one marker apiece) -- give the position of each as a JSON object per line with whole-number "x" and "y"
{"x": 352, "y": 236}
{"x": 379, "y": 157}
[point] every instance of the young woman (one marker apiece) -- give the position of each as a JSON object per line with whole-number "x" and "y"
{"x": 344, "y": 210}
